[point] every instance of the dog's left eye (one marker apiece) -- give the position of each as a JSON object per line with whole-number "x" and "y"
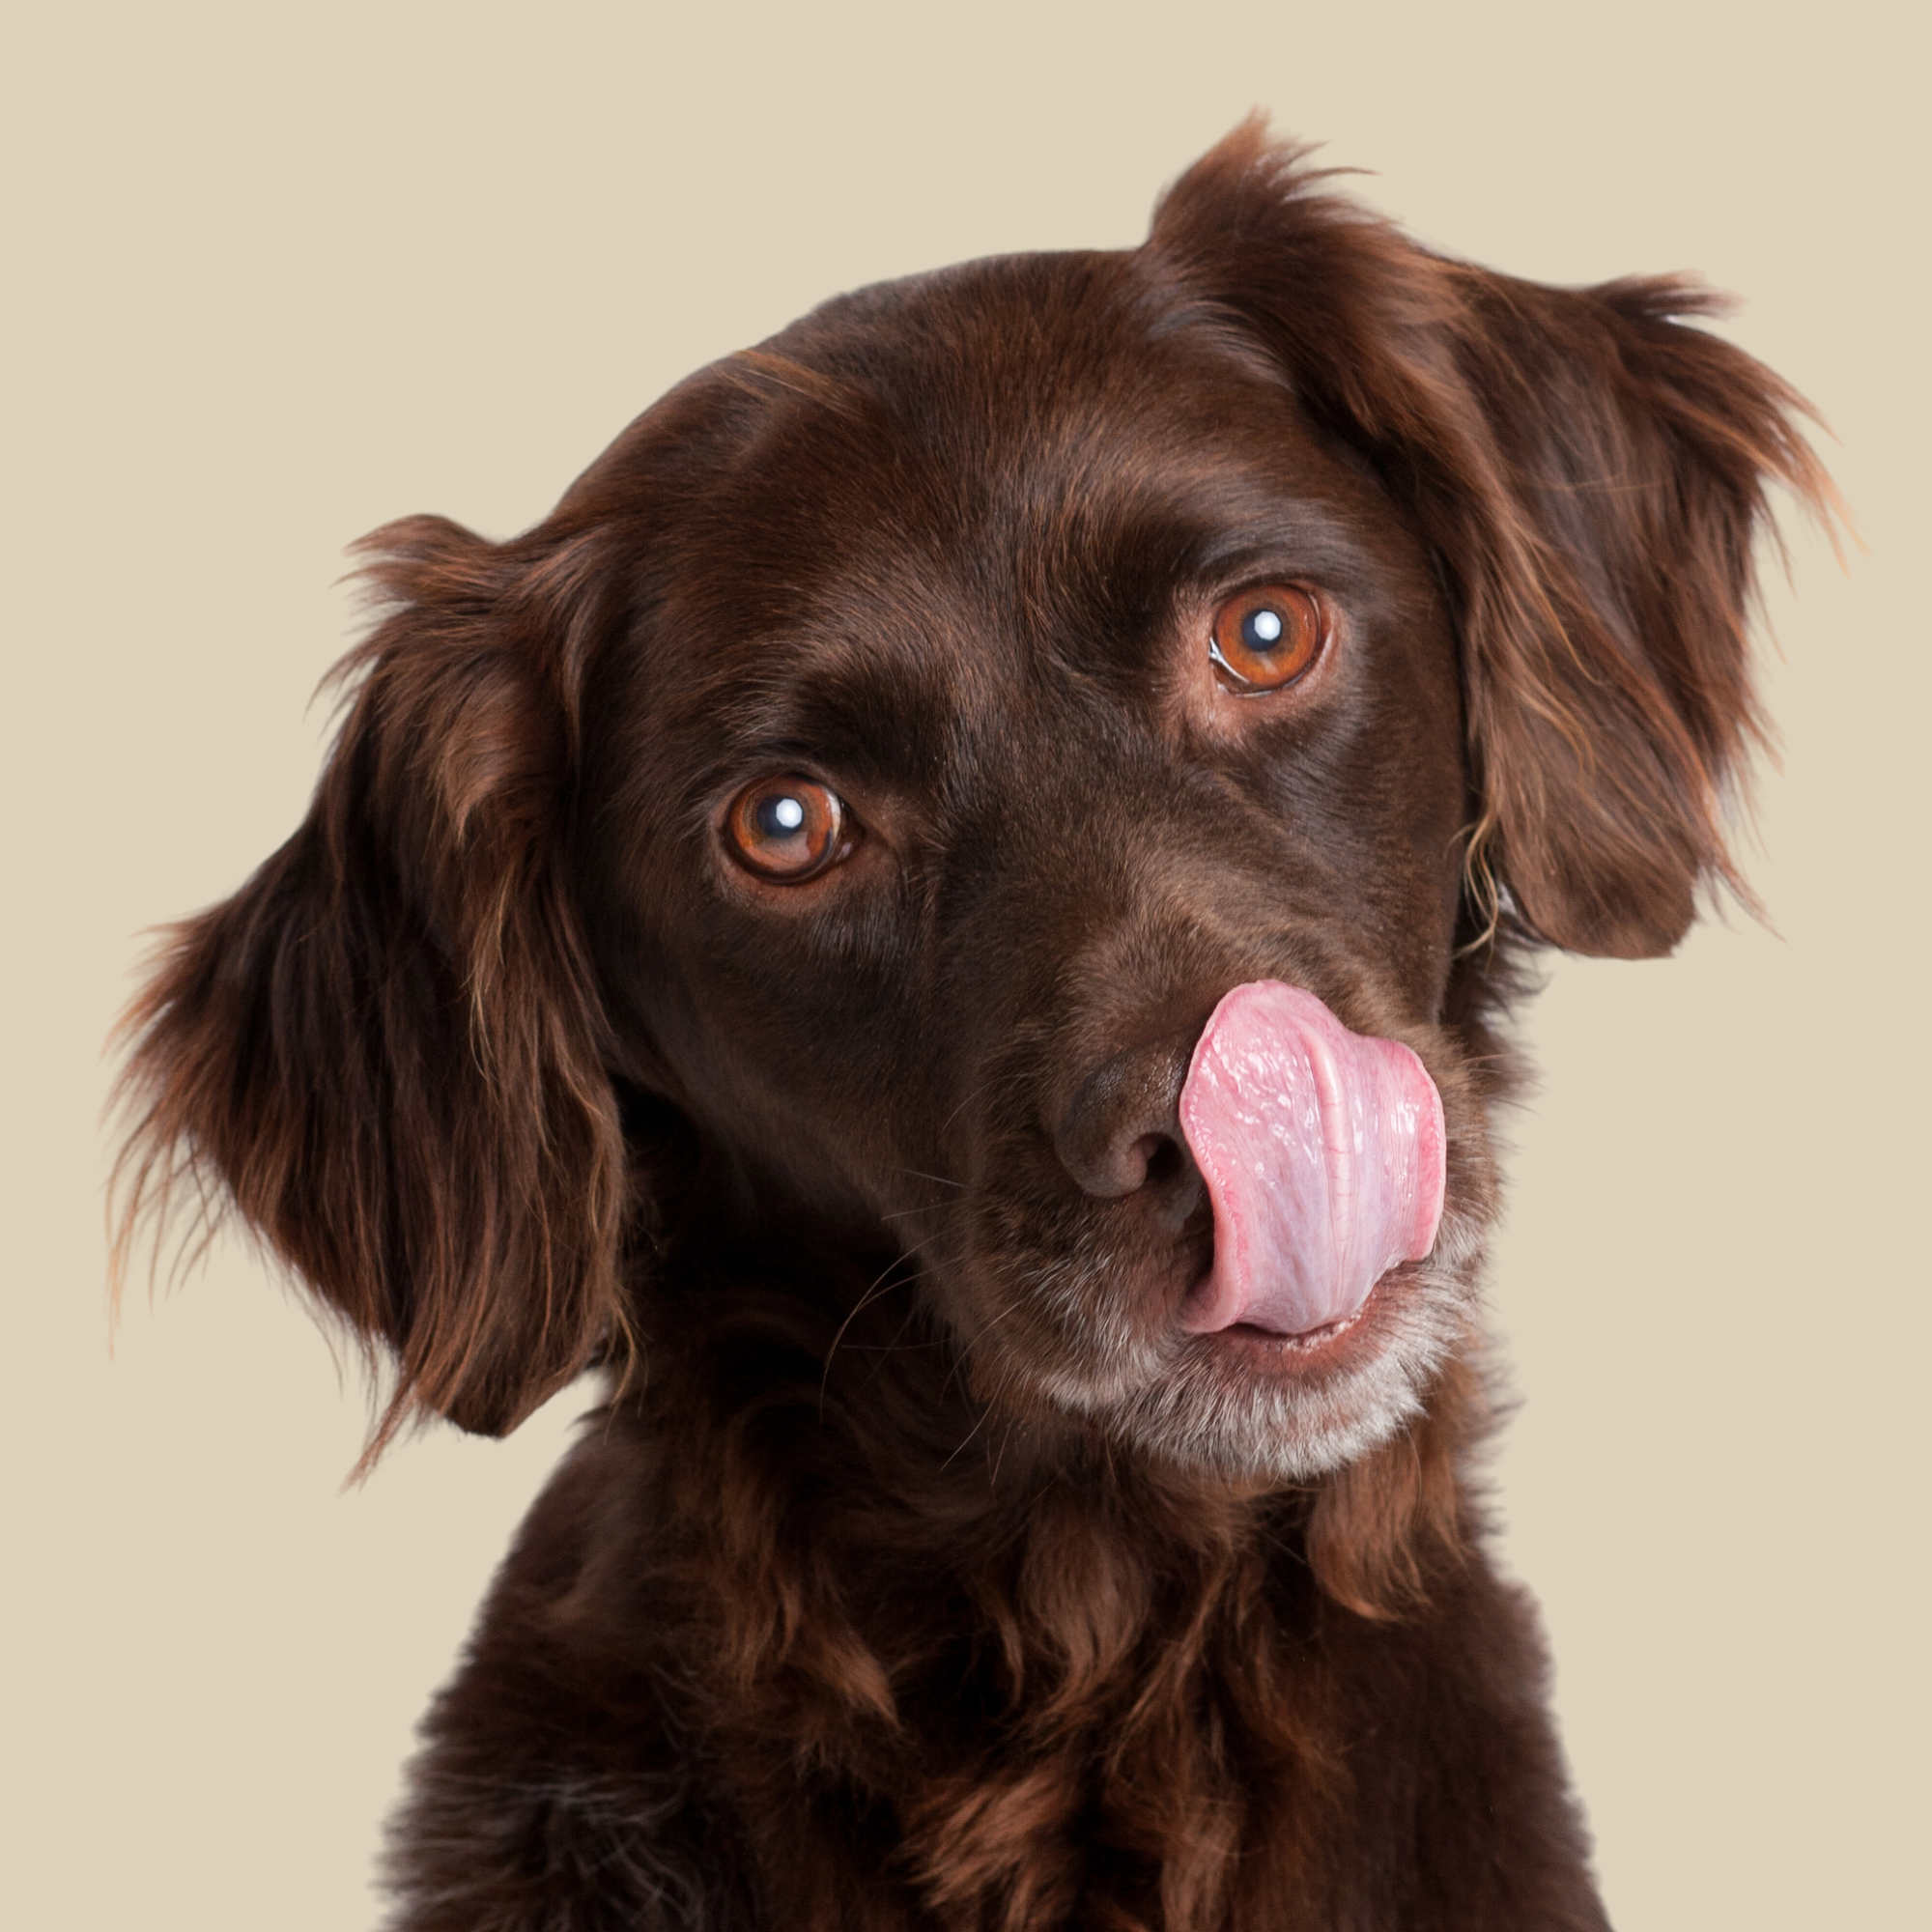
{"x": 787, "y": 829}
{"x": 1264, "y": 638}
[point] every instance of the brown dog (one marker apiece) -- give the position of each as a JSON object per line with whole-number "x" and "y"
{"x": 940, "y": 922}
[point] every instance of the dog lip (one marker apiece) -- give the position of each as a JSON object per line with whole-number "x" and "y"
{"x": 1248, "y": 1350}
{"x": 1301, "y": 1338}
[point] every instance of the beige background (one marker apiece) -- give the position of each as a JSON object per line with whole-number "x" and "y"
{"x": 280, "y": 273}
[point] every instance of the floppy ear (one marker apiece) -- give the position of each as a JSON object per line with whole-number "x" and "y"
{"x": 386, "y": 1051}
{"x": 1591, "y": 475}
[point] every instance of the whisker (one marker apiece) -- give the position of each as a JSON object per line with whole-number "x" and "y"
{"x": 966, "y": 1348}
{"x": 920, "y": 1174}
{"x": 897, "y": 1345}
{"x": 993, "y": 1474}
{"x": 984, "y": 1412}
{"x": 1015, "y": 1078}
{"x": 880, "y": 1286}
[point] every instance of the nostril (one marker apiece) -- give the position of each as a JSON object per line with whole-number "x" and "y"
{"x": 1122, "y": 1131}
{"x": 1161, "y": 1158}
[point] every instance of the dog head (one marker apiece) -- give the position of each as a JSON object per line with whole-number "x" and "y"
{"x": 894, "y": 751}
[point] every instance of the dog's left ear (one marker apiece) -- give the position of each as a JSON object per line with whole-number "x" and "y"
{"x": 1590, "y": 473}
{"x": 1598, "y": 523}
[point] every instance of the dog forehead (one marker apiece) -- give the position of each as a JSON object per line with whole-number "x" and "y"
{"x": 979, "y": 446}
{"x": 976, "y": 398}
{"x": 933, "y": 516}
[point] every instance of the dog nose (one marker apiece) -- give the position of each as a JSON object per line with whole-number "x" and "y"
{"x": 1121, "y": 1130}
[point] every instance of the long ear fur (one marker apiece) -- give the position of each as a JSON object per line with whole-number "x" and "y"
{"x": 1591, "y": 473}
{"x": 386, "y": 1051}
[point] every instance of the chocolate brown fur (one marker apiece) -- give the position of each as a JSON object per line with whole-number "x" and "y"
{"x": 916, "y": 1572}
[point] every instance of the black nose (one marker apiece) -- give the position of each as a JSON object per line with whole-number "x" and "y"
{"x": 1122, "y": 1131}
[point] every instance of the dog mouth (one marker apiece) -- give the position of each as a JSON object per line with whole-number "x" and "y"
{"x": 1268, "y": 1301}
{"x": 1322, "y": 1154}
{"x": 1256, "y": 1299}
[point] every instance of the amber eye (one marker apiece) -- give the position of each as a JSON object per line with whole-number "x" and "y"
{"x": 1267, "y": 637}
{"x": 788, "y": 829}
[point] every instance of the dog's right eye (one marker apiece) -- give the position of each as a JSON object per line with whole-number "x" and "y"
{"x": 787, "y": 829}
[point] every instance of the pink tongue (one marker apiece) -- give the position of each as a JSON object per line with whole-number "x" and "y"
{"x": 1322, "y": 1154}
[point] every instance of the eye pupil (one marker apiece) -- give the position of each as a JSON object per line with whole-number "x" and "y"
{"x": 780, "y": 818}
{"x": 1260, "y": 630}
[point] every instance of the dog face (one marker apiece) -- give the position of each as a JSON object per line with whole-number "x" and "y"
{"x": 894, "y": 749}
{"x": 944, "y": 577}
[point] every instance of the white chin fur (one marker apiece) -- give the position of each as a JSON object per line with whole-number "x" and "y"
{"x": 1185, "y": 1406}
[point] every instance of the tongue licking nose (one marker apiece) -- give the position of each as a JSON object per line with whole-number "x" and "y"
{"x": 1323, "y": 1152}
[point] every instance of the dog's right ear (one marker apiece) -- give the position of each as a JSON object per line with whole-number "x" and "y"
{"x": 387, "y": 1050}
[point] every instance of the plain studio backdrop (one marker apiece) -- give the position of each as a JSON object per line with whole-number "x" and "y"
{"x": 278, "y": 274}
